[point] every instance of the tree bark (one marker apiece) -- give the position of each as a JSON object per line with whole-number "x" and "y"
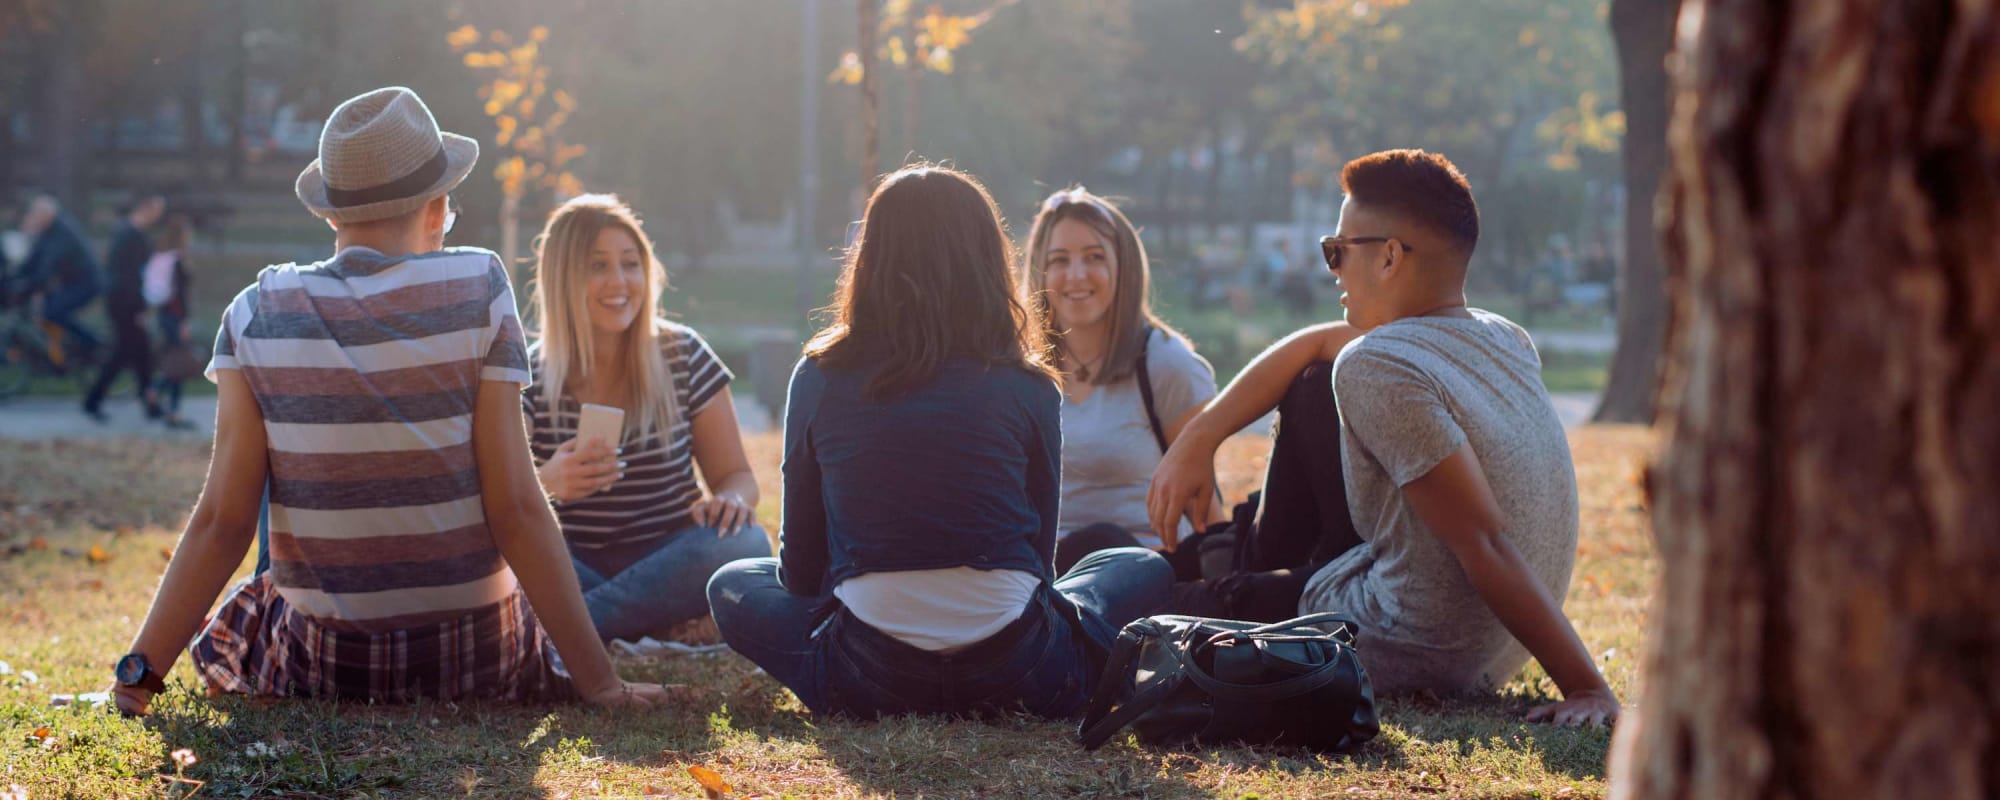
{"x": 236, "y": 25}
{"x": 1828, "y": 497}
{"x": 64, "y": 133}
{"x": 194, "y": 134}
{"x": 913, "y": 77}
{"x": 1644, "y": 33}
{"x": 871, "y": 97}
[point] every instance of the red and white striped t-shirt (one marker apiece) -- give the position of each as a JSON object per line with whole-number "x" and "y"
{"x": 367, "y": 368}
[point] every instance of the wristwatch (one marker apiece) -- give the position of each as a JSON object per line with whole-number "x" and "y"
{"x": 132, "y": 670}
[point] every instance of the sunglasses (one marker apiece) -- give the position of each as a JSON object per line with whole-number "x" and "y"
{"x": 1330, "y": 247}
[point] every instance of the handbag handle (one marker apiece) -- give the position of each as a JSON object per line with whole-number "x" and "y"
{"x": 1296, "y": 685}
{"x": 1344, "y": 635}
{"x": 1094, "y": 735}
{"x": 1308, "y": 620}
{"x": 1099, "y": 722}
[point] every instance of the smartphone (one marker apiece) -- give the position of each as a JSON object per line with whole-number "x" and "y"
{"x": 603, "y": 422}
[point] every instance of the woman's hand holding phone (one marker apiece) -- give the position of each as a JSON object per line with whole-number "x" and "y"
{"x": 580, "y": 469}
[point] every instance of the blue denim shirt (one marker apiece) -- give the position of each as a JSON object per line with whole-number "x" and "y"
{"x": 59, "y": 255}
{"x": 963, "y": 471}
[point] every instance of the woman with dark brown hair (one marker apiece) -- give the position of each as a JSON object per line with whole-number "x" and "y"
{"x": 1130, "y": 381}
{"x": 923, "y": 449}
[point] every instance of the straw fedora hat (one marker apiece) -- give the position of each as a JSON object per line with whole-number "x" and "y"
{"x": 381, "y": 155}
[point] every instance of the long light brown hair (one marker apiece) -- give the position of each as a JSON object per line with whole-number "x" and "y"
{"x": 930, "y": 277}
{"x": 1131, "y": 289}
{"x": 560, "y": 312}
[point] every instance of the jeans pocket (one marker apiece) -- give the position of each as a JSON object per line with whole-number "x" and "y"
{"x": 1050, "y": 683}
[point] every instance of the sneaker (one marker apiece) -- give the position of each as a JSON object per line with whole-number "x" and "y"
{"x": 177, "y": 422}
{"x": 96, "y": 415}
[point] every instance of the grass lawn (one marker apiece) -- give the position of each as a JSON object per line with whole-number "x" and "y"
{"x": 85, "y": 528}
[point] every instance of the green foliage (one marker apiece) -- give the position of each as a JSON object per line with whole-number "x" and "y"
{"x": 1458, "y": 78}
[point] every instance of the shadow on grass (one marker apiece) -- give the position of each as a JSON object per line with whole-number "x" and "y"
{"x": 1009, "y": 756}
{"x": 261, "y": 747}
{"x": 1482, "y": 731}
{"x": 1426, "y": 746}
{"x": 757, "y": 736}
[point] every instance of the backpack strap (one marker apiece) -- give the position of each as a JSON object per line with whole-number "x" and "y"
{"x": 1146, "y": 391}
{"x": 1145, "y": 381}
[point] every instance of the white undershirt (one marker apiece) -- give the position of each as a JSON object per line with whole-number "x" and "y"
{"x": 939, "y": 609}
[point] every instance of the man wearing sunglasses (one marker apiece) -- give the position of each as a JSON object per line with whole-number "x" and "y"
{"x": 1447, "y": 524}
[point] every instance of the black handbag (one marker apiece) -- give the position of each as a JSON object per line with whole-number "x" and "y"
{"x": 1191, "y": 680}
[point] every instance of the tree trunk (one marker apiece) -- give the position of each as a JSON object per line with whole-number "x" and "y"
{"x": 871, "y": 97}
{"x": 64, "y": 133}
{"x": 510, "y": 228}
{"x": 913, "y": 76}
{"x": 1644, "y": 33}
{"x": 236, "y": 104}
{"x": 1828, "y": 498}
{"x": 1211, "y": 207}
{"x": 194, "y": 134}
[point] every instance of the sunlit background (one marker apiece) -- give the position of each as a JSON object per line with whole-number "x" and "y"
{"x": 739, "y": 130}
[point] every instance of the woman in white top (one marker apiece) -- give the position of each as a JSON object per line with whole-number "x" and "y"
{"x": 1130, "y": 381}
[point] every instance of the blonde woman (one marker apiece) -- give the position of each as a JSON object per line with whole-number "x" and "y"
{"x": 1130, "y": 381}
{"x": 644, "y": 534}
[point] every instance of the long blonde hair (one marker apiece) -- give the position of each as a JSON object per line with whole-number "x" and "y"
{"x": 561, "y": 315}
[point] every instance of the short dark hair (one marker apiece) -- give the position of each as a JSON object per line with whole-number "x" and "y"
{"x": 1419, "y": 185}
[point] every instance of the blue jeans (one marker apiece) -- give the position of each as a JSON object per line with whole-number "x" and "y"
{"x": 170, "y": 336}
{"x": 837, "y": 664}
{"x": 61, "y": 306}
{"x": 645, "y": 589}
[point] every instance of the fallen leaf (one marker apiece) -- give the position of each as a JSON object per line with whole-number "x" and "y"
{"x": 97, "y": 555}
{"x": 710, "y": 782}
{"x": 167, "y": 553}
{"x": 126, "y": 530}
{"x": 38, "y": 543}
{"x": 652, "y": 790}
{"x": 42, "y": 732}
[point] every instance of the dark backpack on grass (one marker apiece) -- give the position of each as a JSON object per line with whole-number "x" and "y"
{"x": 1191, "y": 680}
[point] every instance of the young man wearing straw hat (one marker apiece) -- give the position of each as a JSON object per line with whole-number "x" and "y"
{"x": 412, "y": 548}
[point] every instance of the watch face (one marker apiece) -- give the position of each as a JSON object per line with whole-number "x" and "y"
{"x": 131, "y": 668}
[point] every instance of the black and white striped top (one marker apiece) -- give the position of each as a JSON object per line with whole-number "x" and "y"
{"x": 659, "y": 490}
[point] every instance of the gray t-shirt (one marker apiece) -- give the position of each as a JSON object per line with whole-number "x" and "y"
{"x": 1109, "y": 452}
{"x": 1410, "y": 394}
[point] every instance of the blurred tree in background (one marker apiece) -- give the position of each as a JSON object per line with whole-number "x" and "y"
{"x": 528, "y": 119}
{"x": 1521, "y": 94}
{"x": 1221, "y": 124}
